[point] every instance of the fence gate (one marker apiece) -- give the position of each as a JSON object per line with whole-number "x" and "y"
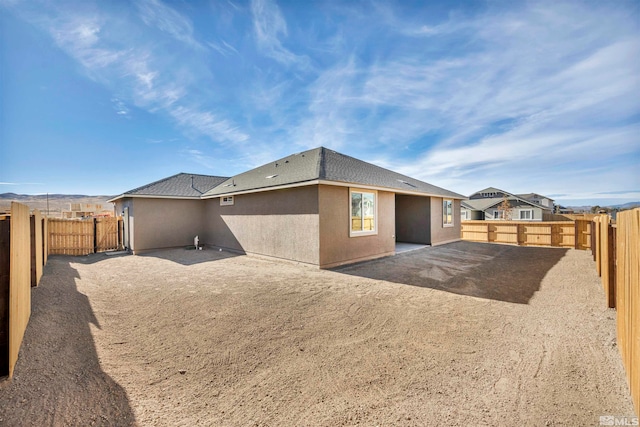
{"x": 83, "y": 237}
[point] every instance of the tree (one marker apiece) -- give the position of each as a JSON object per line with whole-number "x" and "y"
{"x": 505, "y": 209}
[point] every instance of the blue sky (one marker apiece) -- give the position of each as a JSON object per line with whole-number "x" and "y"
{"x": 100, "y": 97}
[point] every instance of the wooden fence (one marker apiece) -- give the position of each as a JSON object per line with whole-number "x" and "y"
{"x": 86, "y": 236}
{"x": 617, "y": 256}
{"x": 567, "y": 217}
{"x": 16, "y": 271}
{"x": 564, "y": 234}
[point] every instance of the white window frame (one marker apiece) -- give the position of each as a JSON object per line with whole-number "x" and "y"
{"x": 445, "y": 223}
{"x": 520, "y": 211}
{"x": 358, "y": 233}
{"x": 463, "y": 214}
{"x": 227, "y": 201}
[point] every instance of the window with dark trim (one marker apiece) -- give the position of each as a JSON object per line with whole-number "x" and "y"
{"x": 362, "y": 212}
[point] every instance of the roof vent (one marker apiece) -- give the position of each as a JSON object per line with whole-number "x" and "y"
{"x": 271, "y": 176}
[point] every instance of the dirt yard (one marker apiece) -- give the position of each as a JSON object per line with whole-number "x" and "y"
{"x": 462, "y": 334}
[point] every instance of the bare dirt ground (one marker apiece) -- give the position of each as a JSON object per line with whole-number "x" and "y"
{"x": 461, "y": 334}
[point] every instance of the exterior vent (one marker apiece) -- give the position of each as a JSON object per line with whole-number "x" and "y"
{"x": 271, "y": 176}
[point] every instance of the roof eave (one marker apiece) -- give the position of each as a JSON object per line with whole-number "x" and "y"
{"x": 152, "y": 196}
{"x": 335, "y": 183}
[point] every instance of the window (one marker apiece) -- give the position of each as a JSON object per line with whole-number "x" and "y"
{"x": 447, "y": 213}
{"x": 525, "y": 214}
{"x": 464, "y": 214}
{"x": 363, "y": 213}
{"x": 226, "y": 200}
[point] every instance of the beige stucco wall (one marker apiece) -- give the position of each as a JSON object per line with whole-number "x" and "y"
{"x": 413, "y": 219}
{"x": 162, "y": 223}
{"x": 336, "y": 247}
{"x": 279, "y": 223}
{"x": 439, "y": 233}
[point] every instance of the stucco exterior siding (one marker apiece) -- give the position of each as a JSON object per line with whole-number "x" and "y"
{"x": 336, "y": 246}
{"x": 162, "y": 223}
{"x": 280, "y": 223}
{"x": 413, "y": 219}
{"x": 444, "y": 234}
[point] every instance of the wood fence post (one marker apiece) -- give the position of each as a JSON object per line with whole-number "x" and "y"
{"x": 5, "y": 273}
{"x": 611, "y": 249}
{"x": 95, "y": 236}
{"x": 593, "y": 239}
{"x": 19, "y": 279}
{"x": 520, "y": 234}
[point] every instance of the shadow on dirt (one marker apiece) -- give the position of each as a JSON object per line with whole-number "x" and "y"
{"x": 498, "y": 272}
{"x": 58, "y": 379}
{"x": 184, "y": 256}
{"x": 190, "y": 256}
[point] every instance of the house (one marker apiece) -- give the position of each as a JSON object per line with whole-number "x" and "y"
{"x": 485, "y": 205}
{"x": 317, "y": 207}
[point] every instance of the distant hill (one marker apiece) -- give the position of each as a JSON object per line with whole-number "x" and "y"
{"x": 587, "y": 208}
{"x": 56, "y": 202}
{"x": 629, "y": 205}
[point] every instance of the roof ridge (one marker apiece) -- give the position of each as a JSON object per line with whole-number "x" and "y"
{"x": 202, "y": 174}
{"x": 322, "y": 172}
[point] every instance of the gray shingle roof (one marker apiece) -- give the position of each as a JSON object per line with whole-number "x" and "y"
{"x": 482, "y": 204}
{"x": 179, "y": 185}
{"x": 489, "y": 202}
{"x": 328, "y": 165}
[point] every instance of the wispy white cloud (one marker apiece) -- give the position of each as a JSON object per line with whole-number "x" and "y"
{"x": 120, "y": 107}
{"x": 269, "y": 26}
{"x": 531, "y": 90}
{"x": 207, "y": 123}
{"x": 141, "y": 73}
{"x": 200, "y": 158}
{"x": 21, "y": 183}
{"x": 223, "y": 48}
{"x": 79, "y": 35}
{"x": 461, "y": 96}
{"x": 156, "y": 14}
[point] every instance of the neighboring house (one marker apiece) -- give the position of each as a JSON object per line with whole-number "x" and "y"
{"x": 85, "y": 210}
{"x": 485, "y": 205}
{"x": 317, "y": 207}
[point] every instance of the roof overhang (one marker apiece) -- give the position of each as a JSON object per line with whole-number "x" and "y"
{"x": 336, "y": 184}
{"x": 150, "y": 196}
